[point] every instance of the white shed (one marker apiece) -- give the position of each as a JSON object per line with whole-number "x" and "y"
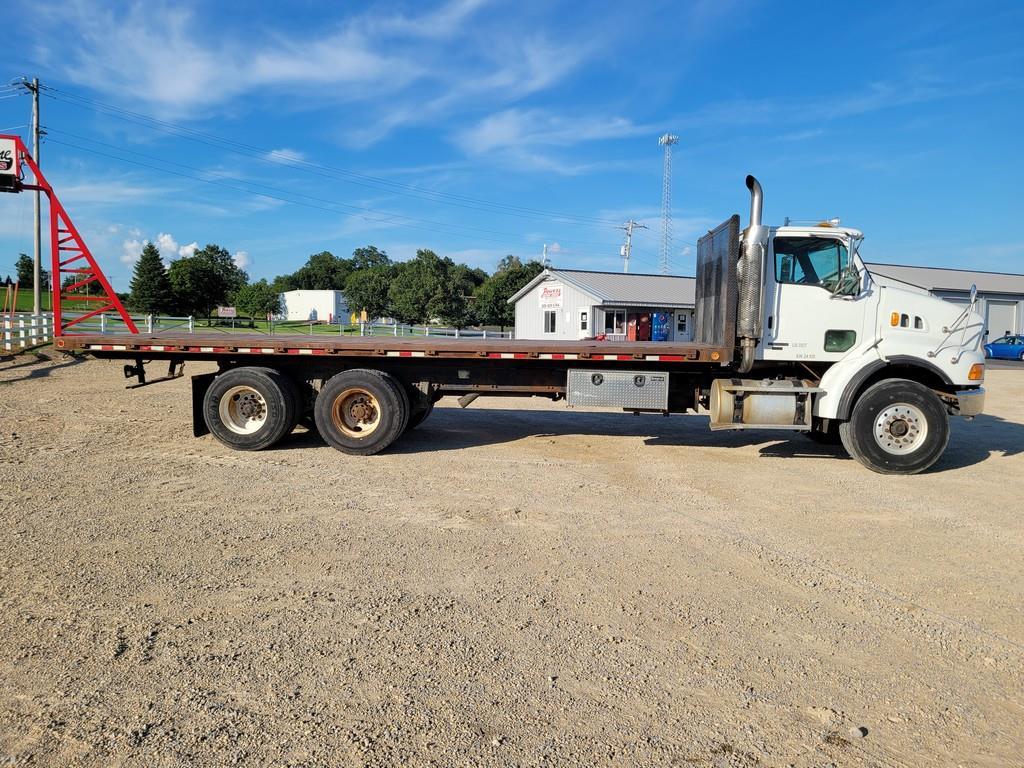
{"x": 322, "y": 306}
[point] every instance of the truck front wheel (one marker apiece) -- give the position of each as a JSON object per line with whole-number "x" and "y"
{"x": 361, "y": 411}
{"x": 897, "y": 427}
{"x": 250, "y": 408}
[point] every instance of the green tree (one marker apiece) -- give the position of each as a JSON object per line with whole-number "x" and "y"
{"x": 26, "y": 277}
{"x": 322, "y": 272}
{"x": 368, "y": 289}
{"x": 229, "y": 275}
{"x": 452, "y": 301}
{"x": 205, "y": 280}
{"x": 150, "y": 286}
{"x": 24, "y": 267}
{"x": 491, "y": 305}
{"x": 414, "y": 285}
{"x": 284, "y": 283}
{"x": 257, "y": 299}
{"x": 369, "y": 257}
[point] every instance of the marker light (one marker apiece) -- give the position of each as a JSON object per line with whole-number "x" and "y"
{"x": 977, "y": 372}
{"x": 894, "y": 319}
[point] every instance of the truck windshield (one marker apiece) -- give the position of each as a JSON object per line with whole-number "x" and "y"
{"x": 818, "y": 261}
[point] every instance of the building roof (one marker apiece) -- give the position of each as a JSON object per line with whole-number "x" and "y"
{"x": 622, "y": 289}
{"x": 940, "y": 279}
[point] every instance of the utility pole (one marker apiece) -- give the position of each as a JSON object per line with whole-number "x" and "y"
{"x": 33, "y": 87}
{"x": 627, "y": 249}
{"x": 544, "y": 257}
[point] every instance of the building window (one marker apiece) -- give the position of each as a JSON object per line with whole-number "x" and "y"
{"x": 681, "y": 322}
{"x": 583, "y": 321}
{"x": 549, "y": 322}
{"x": 615, "y": 321}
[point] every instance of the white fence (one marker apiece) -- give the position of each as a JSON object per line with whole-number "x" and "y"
{"x": 21, "y": 330}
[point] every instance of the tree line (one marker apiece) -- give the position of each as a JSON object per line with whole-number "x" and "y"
{"x": 424, "y": 289}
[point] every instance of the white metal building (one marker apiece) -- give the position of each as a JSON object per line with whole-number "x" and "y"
{"x": 323, "y": 306}
{"x": 576, "y": 304}
{"x": 1000, "y": 295}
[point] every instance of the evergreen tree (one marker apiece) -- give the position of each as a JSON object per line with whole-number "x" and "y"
{"x": 25, "y": 266}
{"x": 150, "y": 288}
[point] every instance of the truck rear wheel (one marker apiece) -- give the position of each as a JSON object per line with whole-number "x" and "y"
{"x": 421, "y": 406}
{"x": 897, "y": 427}
{"x": 418, "y": 416}
{"x": 250, "y": 408}
{"x": 361, "y": 411}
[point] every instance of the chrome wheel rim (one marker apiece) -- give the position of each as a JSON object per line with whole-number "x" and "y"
{"x": 243, "y": 410}
{"x": 900, "y": 429}
{"x": 356, "y": 413}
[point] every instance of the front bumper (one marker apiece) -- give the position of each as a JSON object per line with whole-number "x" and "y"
{"x": 971, "y": 402}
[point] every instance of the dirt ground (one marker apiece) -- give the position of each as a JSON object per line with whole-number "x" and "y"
{"x": 513, "y": 584}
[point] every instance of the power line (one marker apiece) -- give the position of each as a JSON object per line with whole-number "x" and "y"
{"x": 388, "y": 217}
{"x": 394, "y": 219}
{"x": 353, "y": 177}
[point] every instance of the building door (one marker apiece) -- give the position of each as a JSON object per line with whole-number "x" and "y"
{"x": 583, "y": 326}
{"x": 1000, "y": 317}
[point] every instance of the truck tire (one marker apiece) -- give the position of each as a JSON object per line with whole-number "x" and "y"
{"x": 361, "y": 411}
{"x": 821, "y": 436}
{"x": 419, "y": 415}
{"x": 420, "y": 407}
{"x": 897, "y": 427}
{"x": 250, "y": 408}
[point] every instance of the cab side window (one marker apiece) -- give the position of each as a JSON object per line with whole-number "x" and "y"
{"x": 819, "y": 261}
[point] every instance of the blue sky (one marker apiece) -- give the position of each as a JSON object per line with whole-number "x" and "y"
{"x": 482, "y": 128}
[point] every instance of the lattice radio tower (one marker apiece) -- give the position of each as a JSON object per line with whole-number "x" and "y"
{"x": 666, "y": 141}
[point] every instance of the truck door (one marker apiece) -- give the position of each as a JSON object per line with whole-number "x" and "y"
{"x": 814, "y": 309}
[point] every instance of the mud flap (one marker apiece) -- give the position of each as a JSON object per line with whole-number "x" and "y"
{"x": 200, "y": 384}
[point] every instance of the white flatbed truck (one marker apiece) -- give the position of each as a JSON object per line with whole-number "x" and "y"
{"x": 792, "y": 333}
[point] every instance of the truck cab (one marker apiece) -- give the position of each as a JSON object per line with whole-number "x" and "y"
{"x": 873, "y": 365}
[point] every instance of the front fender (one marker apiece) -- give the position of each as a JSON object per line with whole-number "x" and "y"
{"x": 841, "y": 386}
{"x": 841, "y": 381}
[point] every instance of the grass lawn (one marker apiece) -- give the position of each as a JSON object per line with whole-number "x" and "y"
{"x": 24, "y": 303}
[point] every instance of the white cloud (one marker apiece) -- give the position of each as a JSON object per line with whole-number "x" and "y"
{"x": 159, "y": 55}
{"x": 167, "y": 246}
{"x": 242, "y": 259}
{"x": 406, "y": 67}
{"x": 554, "y": 248}
{"x": 131, "y": 250}
{"x": 285, "y": 156}
{"x": 517, "y": 129}
{"x": 165, "y": 242}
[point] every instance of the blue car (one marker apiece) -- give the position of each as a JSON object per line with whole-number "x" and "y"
{"x": 1006, "y": 348}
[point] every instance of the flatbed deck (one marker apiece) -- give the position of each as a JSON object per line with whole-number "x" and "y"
{"x": 217, "y": 346}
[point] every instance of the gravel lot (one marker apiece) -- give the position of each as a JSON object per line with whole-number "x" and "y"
{"x": 514, "y": 584}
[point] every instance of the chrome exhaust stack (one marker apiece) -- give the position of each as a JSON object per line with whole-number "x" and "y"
{"x": 749, "y": 273}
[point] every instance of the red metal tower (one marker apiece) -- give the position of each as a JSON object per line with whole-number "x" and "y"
{"x": 69, "y": 253}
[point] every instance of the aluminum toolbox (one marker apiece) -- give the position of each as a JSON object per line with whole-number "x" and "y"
{"x": 632, "y": 390}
